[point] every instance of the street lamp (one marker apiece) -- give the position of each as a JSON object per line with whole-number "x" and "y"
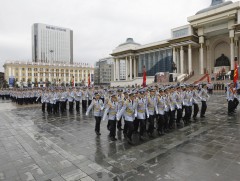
{"x": 51, "y": 51}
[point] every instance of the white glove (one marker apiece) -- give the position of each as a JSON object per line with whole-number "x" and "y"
{"x": 86, "y": 114}
{"x": 135, "y": 115}
{"x": 148, "y": 116}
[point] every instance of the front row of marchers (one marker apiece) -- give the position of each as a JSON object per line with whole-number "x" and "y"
{"x": 145, "y": 109}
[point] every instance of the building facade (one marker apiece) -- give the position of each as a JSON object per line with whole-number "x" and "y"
{"x": 208, "y": 44}
{"x": 104, "y": 70}
{"x": 52, "y": 44}
{"x": 57, "y": 74}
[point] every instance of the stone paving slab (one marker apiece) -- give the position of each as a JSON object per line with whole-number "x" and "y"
{"x": 37, "y": 146}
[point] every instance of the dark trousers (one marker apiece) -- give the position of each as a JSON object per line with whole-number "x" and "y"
{"x": 195, "y": 110}
{"x": 179, "y": 115}
{"x": 70, "y": 106}
{"x": 119, "y": 124}
{"x": 49, "y": 107}
{"x": 142, "y": 123}
{"x": 97, "y": 124}
{"x": 125, "y": 128}
{"x": 172, "y": 119}
{"x": 84, "y": 105}
{"x": 236, "y": 102}
{"x": 89, "y": 102}
{"x": 166, "y": 118}
{"x": 77, "y": 105}
{"x": 204, "y": 108}
{"x": 62, "y": 104}
{"x": 130, "y": 129}
{"x": 136, "y": 124}
{"x": 112, "y": 126}
{"x": 230, "y": 106}
{"x": 160, "y": 120}
{"x": 43, "y": 107}
{"x": 151, "y": 124}
{"x": 57, "y": 106}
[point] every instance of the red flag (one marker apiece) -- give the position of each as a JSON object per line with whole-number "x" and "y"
{"x": 235, "y": 77}
{"x": 144, "y": 77}
{"x": 73, "y": 81}
{"x": 89, "y": 80}
{"x": 208, "y": 78}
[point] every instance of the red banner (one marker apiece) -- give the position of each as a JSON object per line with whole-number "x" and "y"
{"x": 235, "y": 77}
{"x": 144, "y": 84}
{"x": 204, "y": 77}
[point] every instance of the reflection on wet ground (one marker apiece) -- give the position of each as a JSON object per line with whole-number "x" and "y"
{"x": 37, "y": 146}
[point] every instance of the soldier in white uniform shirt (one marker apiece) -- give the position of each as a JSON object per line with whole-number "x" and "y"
{"x": 111, "y": 110}
{"x": 77, "y": 97}
{"x": 141, "y": 114}
{"x": 128, "y": 110}
{"x": 161, "y": 107}
{"x": 98, "y": 107}
{"x": 204, "y": 98}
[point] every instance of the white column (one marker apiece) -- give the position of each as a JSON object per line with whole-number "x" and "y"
{"x": 44, "y": 74}
{"x": 117, "y": 69}
{"x": 236, "y": 47}
{"x": 178, "y": 60}
{"x": 20, "y": 74}
{"x": 10, "y": 71}
{"x": 201, "y": 59}
{"x": 190, "y": 59}
{"x": 78, "y": 76}
{"x": 26, "y": 74}
{"x": 182, "y": 60}
{"x": 174, "y": 55}
{"x": 114, "y": 69}
{"x": 33, "y": 74}
{"x": 38, "y": 75}
{"x": 49, "y": 75}
{"x": 130, "y": 68}
{"x": 232, "y": 53}
{"x": 135, "y": 67}
{"x": 126, "y": 68}
{"x": 13, "y": 72}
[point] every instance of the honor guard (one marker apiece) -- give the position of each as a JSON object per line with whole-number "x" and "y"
{"x": 98, "y": 107}
{"x": 204, "y": 98}
{"x": 111, "y": 110}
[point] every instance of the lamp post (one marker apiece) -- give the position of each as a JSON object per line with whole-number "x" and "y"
{"x": 51, "y": 52}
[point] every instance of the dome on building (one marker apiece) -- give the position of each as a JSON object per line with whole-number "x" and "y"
{"x": 214, "y": 5}
{"x": 129, "y": 41}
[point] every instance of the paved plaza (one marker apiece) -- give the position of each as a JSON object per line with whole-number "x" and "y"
{"x": 38, "y": 146}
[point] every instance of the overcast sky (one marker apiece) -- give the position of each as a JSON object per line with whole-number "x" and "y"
{"x": 98, "y": 25}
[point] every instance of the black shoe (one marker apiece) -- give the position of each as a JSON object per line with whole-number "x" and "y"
{"x": 113, "y": 139}
{"x": 141, "y": 138}
{"x": 97, "y": 133}
{"x": 202, "y": 116}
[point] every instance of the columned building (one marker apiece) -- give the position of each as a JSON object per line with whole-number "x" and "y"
{"x": 208, "y": 44}
{"x": 57, "y": 74}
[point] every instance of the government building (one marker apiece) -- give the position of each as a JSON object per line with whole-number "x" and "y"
{"x": 26, "y": 73}
{"x": 208, "y": 44}
{"x": 52, "y": 44}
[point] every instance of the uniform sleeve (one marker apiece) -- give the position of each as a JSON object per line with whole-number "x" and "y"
{"x": 120, "y": 113}
{"x": 90, "y": 107}
{"x": 105, "y": 113}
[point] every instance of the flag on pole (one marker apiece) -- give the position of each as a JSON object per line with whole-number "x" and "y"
{"x": 89, "y": 80}
{"x": 235, "y": 77}
{"x": 73, "y": 81}
{"x": 144, "y": 77}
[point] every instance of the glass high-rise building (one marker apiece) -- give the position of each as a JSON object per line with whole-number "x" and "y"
{"x": 52, "y": 44}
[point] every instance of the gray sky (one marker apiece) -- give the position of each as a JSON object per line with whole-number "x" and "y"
{"x": 98, "y": 25}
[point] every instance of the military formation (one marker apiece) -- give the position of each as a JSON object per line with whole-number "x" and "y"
{"x": 139, "y": 111}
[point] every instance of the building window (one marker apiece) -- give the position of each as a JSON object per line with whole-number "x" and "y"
{"x": 29, "y": 69}
{"x": 35, "y": 69}
{"x": 23, "y": 69}
{"x": 41, "y": 69}
{"x": 23, "y": 79}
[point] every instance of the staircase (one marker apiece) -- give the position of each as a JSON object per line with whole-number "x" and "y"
{"x": 195, "y": 78}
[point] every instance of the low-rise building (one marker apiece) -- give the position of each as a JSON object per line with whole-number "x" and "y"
{"x": 28, "y": 73}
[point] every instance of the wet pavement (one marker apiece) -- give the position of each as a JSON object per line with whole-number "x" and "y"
{"x": 37, "y": 146}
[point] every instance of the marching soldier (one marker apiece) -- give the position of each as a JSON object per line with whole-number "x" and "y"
{"x": 141, "y": 114}
{"x": 161, "y": 107}
{"x": 111, "y": 110}
{"x": 98, "y": 107}
{"x": 204, "y": 97}
{"x": 152, "y": 109}
{"x": 128, "y": 110}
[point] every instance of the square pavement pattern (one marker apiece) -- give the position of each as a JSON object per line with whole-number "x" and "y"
{"x": 42, "y": 147}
